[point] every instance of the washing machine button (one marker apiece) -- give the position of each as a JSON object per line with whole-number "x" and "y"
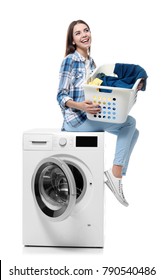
{"x": 62, "y": 142}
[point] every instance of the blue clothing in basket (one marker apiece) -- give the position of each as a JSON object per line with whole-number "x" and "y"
{"x": 127, "y": 75}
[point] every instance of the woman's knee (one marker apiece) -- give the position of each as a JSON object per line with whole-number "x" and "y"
{"x": 136, "y": 134}
{"x": 131, "y": 120}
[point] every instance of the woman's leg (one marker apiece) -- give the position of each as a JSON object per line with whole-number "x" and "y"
{"x": 127, "y": 136}
{"x": 119, "y": 170}
{"x": 133, "y": 142}
{"x": 87, "y": 126}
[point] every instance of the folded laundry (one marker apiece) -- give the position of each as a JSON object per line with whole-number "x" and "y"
{"x": 127, "y": 75}
{"x": 96, "y": 82}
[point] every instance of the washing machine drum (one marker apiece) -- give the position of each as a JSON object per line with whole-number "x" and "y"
{"x": 57, "y": 186}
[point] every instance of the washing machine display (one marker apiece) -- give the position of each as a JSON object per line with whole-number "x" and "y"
{"x": 63, "y": 180}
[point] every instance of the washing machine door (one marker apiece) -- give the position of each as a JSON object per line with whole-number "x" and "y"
{"x": 54, "y": 188}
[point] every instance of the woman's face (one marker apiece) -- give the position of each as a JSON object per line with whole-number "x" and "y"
{"x": 81, "y": 37}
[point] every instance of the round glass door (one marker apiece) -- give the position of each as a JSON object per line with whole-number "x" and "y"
{"x": 54, "y": 188}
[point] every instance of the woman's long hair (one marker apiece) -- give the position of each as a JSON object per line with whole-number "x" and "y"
{"x": 70, "y": 48}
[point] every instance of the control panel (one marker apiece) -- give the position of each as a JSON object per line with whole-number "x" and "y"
{"x": 42, "y": 142}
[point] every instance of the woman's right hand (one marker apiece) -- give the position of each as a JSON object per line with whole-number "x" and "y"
{"x": 89, "y": 107}
{"x": 86, "y": 106}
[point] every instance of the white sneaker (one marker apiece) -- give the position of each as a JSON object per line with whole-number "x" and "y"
{"x": 115, "y": 185}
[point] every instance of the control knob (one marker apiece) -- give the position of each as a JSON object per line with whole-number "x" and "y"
{"x": 62, "y": 142}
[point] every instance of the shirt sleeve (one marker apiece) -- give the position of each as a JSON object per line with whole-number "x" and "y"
{"x": 64, "y": 82}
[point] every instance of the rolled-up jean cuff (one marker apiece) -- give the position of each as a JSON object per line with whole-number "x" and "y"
{"x": 118, "y": 163}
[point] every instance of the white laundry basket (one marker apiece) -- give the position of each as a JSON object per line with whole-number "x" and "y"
{"x": 116, "y": 104}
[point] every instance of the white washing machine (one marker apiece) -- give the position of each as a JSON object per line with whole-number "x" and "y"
{"x": 63, "y": 188}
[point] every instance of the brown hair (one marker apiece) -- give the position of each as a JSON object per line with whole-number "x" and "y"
{"x": 70, "y": 48}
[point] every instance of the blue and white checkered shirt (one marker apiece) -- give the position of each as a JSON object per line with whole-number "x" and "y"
{"x": 72, "y": 76}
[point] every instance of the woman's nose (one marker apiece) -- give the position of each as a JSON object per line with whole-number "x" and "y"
{"x": 84, "y": 34}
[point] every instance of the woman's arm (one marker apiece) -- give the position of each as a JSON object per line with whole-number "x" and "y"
{"x": 63, "y": 97}
{"x": 64, "y": 82}
{"x": 86, "y": 106}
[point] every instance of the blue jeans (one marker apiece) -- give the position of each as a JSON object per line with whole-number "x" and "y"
{"x": 126, "y": 133}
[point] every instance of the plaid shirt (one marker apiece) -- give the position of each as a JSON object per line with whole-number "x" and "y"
{"x": 72, "y": 76}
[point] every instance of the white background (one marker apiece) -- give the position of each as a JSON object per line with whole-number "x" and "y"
{"x": 32, "y": 46}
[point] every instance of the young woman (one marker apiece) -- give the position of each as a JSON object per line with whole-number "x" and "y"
{"x": 75, "y": 68}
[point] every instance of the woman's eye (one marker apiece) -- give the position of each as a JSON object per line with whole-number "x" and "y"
{"x": 77, "y": 33}
{"x": 87, "y": 30}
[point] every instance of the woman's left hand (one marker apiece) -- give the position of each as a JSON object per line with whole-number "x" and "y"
{"x": 140, "y": 85}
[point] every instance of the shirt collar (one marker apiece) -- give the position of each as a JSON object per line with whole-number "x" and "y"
{"x": 79, "y": 57}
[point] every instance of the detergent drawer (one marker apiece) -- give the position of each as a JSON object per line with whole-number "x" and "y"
{"x": 40, "y": 142}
